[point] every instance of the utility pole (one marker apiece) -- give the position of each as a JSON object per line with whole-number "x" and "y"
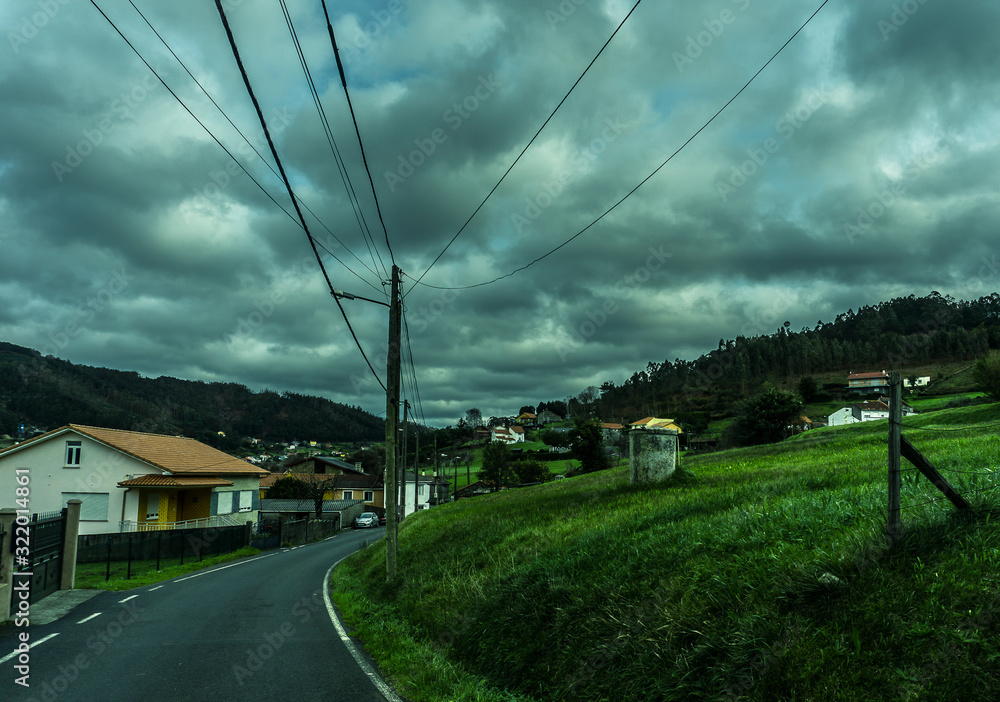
{"x": 416, "y": 475}
{"x": 401, "y": 495}
{"x": 391, "y": 421}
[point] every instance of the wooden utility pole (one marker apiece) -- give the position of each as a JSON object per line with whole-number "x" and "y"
{"x": 391, "y": 422}
{"x": 895, "y": 435}
{"x": 416, "y": 475}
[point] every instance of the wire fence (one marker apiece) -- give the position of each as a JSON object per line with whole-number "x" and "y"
{"x": 124, "y": 556}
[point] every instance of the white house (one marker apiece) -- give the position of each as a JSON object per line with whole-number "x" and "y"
{"x": 865, "y": 412}
{"x": 922, "y": 381}
{"x": 129, "y": 480}
{"x": 429, "y": 491}
{"x": 512, "y": 435}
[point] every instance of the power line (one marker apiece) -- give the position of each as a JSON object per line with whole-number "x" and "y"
{"x": 526, "y": 146}
{"x": 413, "y": 369}
{"x": 188, "y": 109}
{"x": 644, "y": 180}
{"x": 217, "y": 141}
{"x": 357, "y": 130}
{"x": 284, "y": 177}
{"x": 331, "y": 140}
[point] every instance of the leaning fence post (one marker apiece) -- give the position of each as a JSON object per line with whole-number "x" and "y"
{"x": 71, "y": 535}
{"x": 128, "y": 567}
{"x": 895, "y": 433}
{"x": 159, "y": 539}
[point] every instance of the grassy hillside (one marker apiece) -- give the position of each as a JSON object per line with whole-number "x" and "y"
{"x": 758, "y": 574}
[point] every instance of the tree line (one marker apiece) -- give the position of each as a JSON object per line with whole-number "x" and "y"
{"x": 47, "y": 392}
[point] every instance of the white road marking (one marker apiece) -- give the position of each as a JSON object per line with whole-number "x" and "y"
{"x": 87, "y": 619}
{"x": 154, "y": 589}
{"x": 127, "y": 599}
{"x": 379, "y": 683}
{"x": 216, "y": 570}
{"x": 31, "y": 645}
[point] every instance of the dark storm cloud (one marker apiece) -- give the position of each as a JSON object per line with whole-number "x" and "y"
{"x": 859, "y": 166}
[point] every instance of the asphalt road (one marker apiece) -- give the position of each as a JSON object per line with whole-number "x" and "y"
{"x": 254, "y": 629}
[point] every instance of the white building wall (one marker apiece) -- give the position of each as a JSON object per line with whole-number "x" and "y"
{"x": 423, "y": 500}
{"x": 50, "y": 480}
{"x": 841, "y": 417}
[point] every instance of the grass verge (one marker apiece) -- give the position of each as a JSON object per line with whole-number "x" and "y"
{"x": 755, "y": 574}
{"x": 92, "y": 575}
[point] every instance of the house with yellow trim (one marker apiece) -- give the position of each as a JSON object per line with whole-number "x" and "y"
{"x": 656, "y": 423}
{"x": 130, "y": 481}
{"x": 339, "y": 480}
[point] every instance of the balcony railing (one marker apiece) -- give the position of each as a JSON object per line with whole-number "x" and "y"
{"x": 221, "y": 520}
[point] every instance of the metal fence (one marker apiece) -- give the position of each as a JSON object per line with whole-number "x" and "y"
{"x": 130, "y": 554}
{"x": 272, "y": 533}
{"x": 43, "y": 535}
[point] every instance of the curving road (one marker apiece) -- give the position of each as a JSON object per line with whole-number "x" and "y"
{"x": 254, "y": 629}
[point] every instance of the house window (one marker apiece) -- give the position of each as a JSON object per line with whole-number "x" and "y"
{"x": 225, "y": 503}
{"x": 369, "y": 495}
{"x": 348, "y": 494}
{"x": 94, "y": 507}
{"x": 73, "y": 450}
{"x": 422, "y": 490}
{"x": 246, "y": 500}
{"x": 153, "y": 507}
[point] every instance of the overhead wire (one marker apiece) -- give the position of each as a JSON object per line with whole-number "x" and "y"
{"x": 644, "y": 180}
{"x": 357, "y": 130}
{"x": 212, "y": 135}
{"x": 331, "y": 140}
{"x": 412, "y": 367}
{"x": 288, "y": 186}
{"x": 526, "y": 146}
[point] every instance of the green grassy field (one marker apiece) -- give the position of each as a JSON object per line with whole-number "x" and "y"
{"x": 92, "y": 575}
{"x": 759, "y": 574}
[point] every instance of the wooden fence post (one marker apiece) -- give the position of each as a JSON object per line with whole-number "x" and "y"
{"x": 895, "y": 433}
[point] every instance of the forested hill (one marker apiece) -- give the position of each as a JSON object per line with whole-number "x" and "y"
{"x": 47, "y": 392}
{"x": 902, "y": 333}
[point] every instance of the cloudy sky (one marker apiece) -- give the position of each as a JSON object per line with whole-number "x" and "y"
{"x": 860, "y": 165}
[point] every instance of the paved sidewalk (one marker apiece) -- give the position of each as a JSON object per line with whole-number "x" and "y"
{"x": 58, "y": 605}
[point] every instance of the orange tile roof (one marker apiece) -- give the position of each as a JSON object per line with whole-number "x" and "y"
{"x": 174, "y": 454}
{"x": 175, "y": 481}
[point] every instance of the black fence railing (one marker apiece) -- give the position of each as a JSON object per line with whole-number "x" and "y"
{"x": 130, "y": 554}
{"x": 272, "y": 533}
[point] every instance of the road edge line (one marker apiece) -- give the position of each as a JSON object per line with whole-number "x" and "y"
{"x": 381, "y": 685}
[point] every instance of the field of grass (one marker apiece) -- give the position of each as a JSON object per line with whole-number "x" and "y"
{"x": 932, "y": 403}
{"x": 757, "y": 574}
{"x": 92, "y": 575}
